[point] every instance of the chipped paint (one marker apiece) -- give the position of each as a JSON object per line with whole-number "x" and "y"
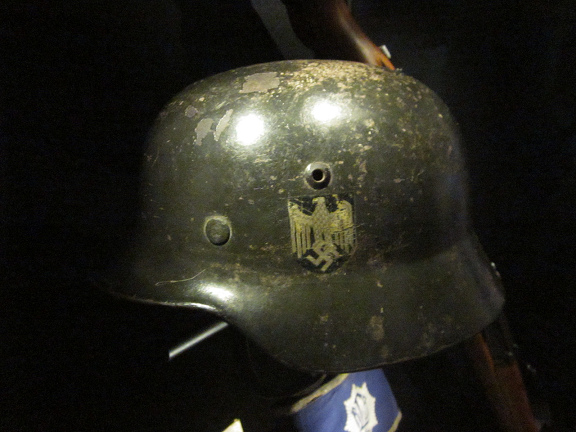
{"x": 364, "y": 148}
{"x": 385, "y": 352}
{"x": 363, "y": 172}
{"x": 376, "y": 328}
{"x": 190, "y": 111}
{"x": 222, "y": 124}
{"x": 203, "y": 128}
{"x": 260, "y": 82}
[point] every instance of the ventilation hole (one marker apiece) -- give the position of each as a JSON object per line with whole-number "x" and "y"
{"x": 318, "y": 175}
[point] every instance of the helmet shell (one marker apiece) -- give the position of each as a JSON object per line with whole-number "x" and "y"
{"x": 318, "y": 206}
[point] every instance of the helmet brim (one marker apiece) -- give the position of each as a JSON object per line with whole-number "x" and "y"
{"x": 347, "y": 320}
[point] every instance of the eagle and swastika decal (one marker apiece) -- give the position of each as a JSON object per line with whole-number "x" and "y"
{"x": 322, "y": 230}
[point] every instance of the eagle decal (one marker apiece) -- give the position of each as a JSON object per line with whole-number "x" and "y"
{"x": 323, "y": 232}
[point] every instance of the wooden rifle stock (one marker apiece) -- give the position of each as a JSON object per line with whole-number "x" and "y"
{"x": 495, "y": 364}
{"x": 328, "y": 28}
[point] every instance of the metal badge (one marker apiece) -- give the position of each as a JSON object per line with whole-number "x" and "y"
{"x": 323, "y": 232}
{"x": 360, "y": 410}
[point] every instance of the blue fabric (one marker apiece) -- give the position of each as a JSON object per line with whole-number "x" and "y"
{"x": 363, "y": 402}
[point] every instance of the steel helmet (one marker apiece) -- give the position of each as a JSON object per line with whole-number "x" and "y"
{"x": 319, "y": 207}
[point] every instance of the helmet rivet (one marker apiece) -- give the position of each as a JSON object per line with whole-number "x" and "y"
{"x": 318, "y": 175}
{"x": 217, "y": 230}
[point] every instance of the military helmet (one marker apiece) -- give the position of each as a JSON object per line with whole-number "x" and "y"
{"x": 319, "y": 207}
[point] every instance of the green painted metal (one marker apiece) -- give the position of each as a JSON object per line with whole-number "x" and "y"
{"x": 319, "y": 207}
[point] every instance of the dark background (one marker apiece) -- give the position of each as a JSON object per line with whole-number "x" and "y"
{"x": 80, "y": 84}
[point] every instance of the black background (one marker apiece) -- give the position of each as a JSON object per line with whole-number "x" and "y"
{"x": 80, "y": 84}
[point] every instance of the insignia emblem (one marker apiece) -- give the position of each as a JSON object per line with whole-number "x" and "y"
{"x": 360, "y": 410}
{"x": 323, "y": 232}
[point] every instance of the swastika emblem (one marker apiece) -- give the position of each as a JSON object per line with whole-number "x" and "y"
{"x": 322, "y": 230}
